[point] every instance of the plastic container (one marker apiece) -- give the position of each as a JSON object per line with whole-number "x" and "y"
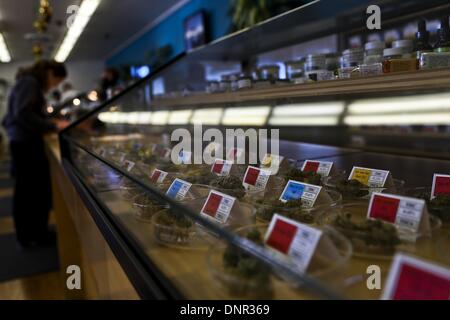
{"x": 269, "y": 72}
{"x": 145, "y": 207}
{"x": 315, "y": 62}
{"x": 395, "y": 60}
{"x": 374, "y": 52}
{"x": 407, "y": 46}
{"x": 263, "y": 283}
{"x": 352, "y": 58}
{"x": 244, "y": 82}
{"x": 363, "y": 193}
{"x": 179, "y": 232}
{"x": 295, "y": 70}
{"x": 383, "y": 240}
{"x": 265, "y": 212}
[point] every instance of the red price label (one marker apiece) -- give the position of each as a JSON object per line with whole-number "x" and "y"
{"x": 441, "y": 185}
{"x": 282, "y": 236}
{"x": 384, "y": 208}
{"x": 415, "y": 283}
{"x": 311, "y": 166}
{"x": 212, "y": 205}
{"x": 252, "y": 176}
{"x": 218, "y": 167}
{"x": 155, "y": 176}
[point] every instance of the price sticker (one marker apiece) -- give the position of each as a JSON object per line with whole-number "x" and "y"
{"x": 441, "y": 185}
{"x": 165, "y": 153}
{"x": 179, "y": 189}
{"x": 158, "y": 176}
{"x": 401, "y": 211}
{"x": 235, "y": 154}
{"x": 293, "y": 239}
{"x": 129, "y": 165}
{"x": 370, "y": 177}
{"x": 414, "y": 279}
{"x": 222, "y": 167}
{"x": 218, "y": 206}
{"x": 271, "y": 160}
{"x": 184, "y": 157}
{"x": 320, "y": 167}
{"x": 295, "y": 190}
{"x": 256, "y": 178}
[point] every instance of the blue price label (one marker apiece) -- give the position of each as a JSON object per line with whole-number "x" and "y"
{"x": 293, "y": 191}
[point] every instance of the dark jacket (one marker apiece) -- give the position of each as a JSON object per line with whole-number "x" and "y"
{"x": 25, "y": 120}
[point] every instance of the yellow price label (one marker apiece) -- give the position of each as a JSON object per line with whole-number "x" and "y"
{"x": 267, "y": 161}
{"x": 362, "y": 175}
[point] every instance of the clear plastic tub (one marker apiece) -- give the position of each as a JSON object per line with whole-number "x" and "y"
{"x": 380, "y": 240}
{"x": 265, "y": 212}
{"x": 261, "y": 284}
{"x": 145, "y": 207}
{"x": 357, "y": 193}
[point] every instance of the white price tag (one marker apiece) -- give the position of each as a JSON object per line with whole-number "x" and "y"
{"x": 158, "y": 176}
{"x": 179, "y": 189}
{"x": 295, "y": 190}
{"x": 235, "y": 154}
{"x": 129, "y": 165}
{"x": 404, "y": 212}
{"x": 256, "y": 178}
{"x": 320, "y": 167}
{"x": 414, "y": 279}
{"x": 222, "y": 167}
{"x": 293, "y": 239}
{"x": 218, "y": 206}
{"x": 370, "y": 177}
{"x": 184, "y": 157}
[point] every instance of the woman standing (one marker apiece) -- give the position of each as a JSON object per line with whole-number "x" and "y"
{"x": 26, "y": 125}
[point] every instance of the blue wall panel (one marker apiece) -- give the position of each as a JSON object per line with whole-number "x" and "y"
{"x": 170, "y": 31}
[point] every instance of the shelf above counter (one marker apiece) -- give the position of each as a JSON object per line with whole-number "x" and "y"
{"x": 387, "y": 83}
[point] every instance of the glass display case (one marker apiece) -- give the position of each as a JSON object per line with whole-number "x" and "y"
{"x": 192, "y": 231}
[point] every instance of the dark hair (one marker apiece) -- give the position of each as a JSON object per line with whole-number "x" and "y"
{"x": 40, "y": 70}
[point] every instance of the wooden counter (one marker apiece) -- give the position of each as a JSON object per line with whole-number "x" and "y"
{"x": 81, "y": 243}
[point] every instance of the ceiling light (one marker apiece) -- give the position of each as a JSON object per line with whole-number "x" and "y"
{"x": 76, "y": 102}
{"x": 80, "y": 21}
{"x": 5, "y": 56}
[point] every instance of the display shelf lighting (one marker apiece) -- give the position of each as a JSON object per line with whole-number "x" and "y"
{"x": 160, "y": 117}
{"x": 308, "y": 114}
{"x": 133, "y": 118}
{"x": 419, "y": 103}
{"x": 439, "y": 118}
{"x": 82, "y": 18}
{"x": 246, "y": 116}
{"x": 5, "y": 56}
{"x": 208, "y": 117}
{"x": 180, "y": 117}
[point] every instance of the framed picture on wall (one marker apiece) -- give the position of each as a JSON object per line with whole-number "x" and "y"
{"x": 195, "y": 33}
